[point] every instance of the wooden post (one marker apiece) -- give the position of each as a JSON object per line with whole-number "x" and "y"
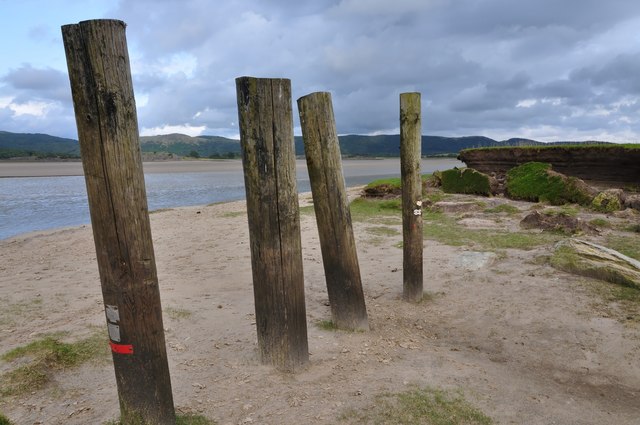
{"x": 268, "y": 159}
{"x": 410, "y": 156}
{"x": 331, "y": 205}
{"x": 105, "y": 113}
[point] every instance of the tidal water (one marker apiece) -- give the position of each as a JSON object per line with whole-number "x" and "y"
{"x": 30, "y": 204}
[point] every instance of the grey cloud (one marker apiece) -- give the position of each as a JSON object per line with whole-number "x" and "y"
{"x": 482, "y": 66}
{"x": 44, "y": 83}
{"x": 620, "y": 74}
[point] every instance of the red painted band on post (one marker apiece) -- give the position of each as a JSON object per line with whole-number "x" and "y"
{"x": 121, "y": 348}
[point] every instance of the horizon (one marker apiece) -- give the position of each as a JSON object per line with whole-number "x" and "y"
{"x": 364, "y": 135}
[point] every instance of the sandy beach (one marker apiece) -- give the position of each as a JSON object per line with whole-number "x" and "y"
{"x": 521, "y": 341}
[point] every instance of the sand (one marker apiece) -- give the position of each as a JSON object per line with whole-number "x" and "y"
{"x": 522, "y": 342}
{"x": 74, "y": 168}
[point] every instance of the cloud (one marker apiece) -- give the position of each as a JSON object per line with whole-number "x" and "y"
{"x": 189, "y": 130}
{"x": 48, "y": 83}
{"x": 492, "y": 67}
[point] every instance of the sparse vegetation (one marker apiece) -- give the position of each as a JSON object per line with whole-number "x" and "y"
{"x": 563, "y": 210}
{"x": 177, "y": 313}
{"x": 419, "y": 406}
{"x": 634, "y": 228}
{"x": 444, "y": 229}
{"x": 11, "y": 312}
{"x": 627, "y": 245}
{"x": 382, "y": 231}
{"x": 365, "y": 208}
{"x": 4, "y": 420}
{"x": 45, "y": 356}
{"x": 391, "y": 186}
{"x": 503, "y": 208}
{"x": 600, "y": 222}
{"x": 327, "y": 325}
{"x": 233, "y": 214}
{"x": 307, "y": 210}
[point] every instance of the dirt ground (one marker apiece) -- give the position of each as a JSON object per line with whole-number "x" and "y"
{"x": 523, "y": 342}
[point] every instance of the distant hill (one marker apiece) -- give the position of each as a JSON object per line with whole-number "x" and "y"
{"x": 183, "y": 145}
{"x": 43, "y": 145}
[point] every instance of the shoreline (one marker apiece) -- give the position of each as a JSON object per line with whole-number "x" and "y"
{"x": 353, "y": 167}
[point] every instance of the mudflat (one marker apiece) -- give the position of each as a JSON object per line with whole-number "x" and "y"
{"x": 74, "y": 168}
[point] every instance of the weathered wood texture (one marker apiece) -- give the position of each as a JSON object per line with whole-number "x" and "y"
{"x": 410, "y": 155}
{"x": 322, "y": 149}
{"x": 268, "y": 159}
{"x": 105, "y": 113}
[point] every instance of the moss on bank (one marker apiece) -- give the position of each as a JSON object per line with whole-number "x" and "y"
{"x": 536, "y": 182}
{"x": 466, "y": 181}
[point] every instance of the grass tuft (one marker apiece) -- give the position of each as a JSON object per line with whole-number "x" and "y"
{"x": 46, "y": 356}
{"x": 600, "y": 222}
{"x": 177, "y": 313}
{"x": 363, "y": 209}
{"x": 419, "y": 406}
{"x": 635, "y": 228}
{"x": 327, "y": 325}
{"x": 4, "y": 420}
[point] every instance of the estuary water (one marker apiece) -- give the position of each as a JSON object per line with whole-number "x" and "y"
{"x": 43, "y": 196}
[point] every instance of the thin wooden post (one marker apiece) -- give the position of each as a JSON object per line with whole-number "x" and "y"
{"x": 105, "y": 111}
{"x": 322, "y": 149}
{"x": 410, "y": 156}
{"x": 268, "y": 159}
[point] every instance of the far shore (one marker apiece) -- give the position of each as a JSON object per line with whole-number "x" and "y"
{"x": 74, "y": 168}
{"x": 355, "y": 167}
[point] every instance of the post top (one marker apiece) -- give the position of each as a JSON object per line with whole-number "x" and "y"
{"x": 90, "y": 22}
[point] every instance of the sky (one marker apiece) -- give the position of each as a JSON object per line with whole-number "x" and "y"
{"x": 548, "y": 70}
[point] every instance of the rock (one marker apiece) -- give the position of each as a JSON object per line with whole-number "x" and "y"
{"x": 382, "y": 191}
{"x": 557, "y": 222}
{"x": 608, "y": 201}
{"x": 455, "y": 207}
{"x": 480, "y": 223}
{"x": 628, "y": 213}
{"x": 472, "y": 260}
{"x": 596, "y": 261}
{"x": 632, "y": 201}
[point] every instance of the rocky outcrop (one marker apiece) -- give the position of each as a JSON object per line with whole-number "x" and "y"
{"x": 557, "y": 223}
{"x": 605, "y": 163}
{"x": 591, "y": 260}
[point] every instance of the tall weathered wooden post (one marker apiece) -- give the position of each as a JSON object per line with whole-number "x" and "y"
{"x": 105, "y": 110}
{"x": 268, "y": 159}
{"x": 410, "y": 157}
{"x": 331, "y": 205}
